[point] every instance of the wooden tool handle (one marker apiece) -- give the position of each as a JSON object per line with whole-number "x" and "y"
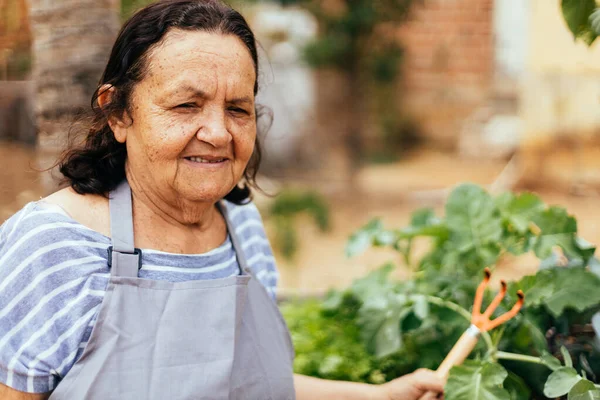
{"x": 460, "y": 351}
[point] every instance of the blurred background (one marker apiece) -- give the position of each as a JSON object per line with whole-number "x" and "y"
{"x": 379, "y": 108}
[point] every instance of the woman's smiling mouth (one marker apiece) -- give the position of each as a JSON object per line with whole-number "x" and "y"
{"x": 206, "y": 161}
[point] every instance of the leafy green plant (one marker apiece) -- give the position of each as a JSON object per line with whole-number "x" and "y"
{"x": 396, "y": 327}
{"x": 284, "y": 211}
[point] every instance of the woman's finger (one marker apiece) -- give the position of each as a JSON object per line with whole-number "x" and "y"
{"x": 431, "y": 396}
{"x": 427, "y": 380}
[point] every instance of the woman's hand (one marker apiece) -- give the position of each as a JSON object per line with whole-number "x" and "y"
{"x": 422, "y": 384}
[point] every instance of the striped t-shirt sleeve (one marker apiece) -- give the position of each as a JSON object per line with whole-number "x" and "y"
{"x": 249, "y": 227}
{"x": 43, "y": 306}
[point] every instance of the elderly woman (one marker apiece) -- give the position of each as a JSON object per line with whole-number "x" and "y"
{"x": 150, "y": 275}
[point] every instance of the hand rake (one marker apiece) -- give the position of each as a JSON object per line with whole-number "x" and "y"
{"x": 479, "y": 323}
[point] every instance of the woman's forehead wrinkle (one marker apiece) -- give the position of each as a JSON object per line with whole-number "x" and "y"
{"x": 201, "y": 65}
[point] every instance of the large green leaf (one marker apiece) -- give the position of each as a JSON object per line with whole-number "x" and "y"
{"x": 560, "y": 288}
{"x": 584, "y": 390}
{"x": 561, "y": 381}
{"x": 577, "y": 16}
{"x": 574, "y": 288}
{"x": 379, "y": 320}
{"x": 557, "y": 229}
{"x": 475, "y": 380}
{"x": 475, "y": 227}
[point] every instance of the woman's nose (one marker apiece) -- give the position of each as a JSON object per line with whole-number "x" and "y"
{"x": 213, "y": 129}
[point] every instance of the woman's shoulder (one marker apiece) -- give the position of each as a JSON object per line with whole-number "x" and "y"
{"x": 45, "y": 229}
{"x": 89, "y": 210}
{"x": 245, "y": 218}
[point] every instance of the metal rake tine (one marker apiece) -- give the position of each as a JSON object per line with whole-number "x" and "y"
{"x": 496, "y": 302}
{"x": 479, "y": 294}
{"x": 512, "y": 313}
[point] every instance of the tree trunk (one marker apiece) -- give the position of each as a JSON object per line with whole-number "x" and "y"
{"x": 71, "y": 44}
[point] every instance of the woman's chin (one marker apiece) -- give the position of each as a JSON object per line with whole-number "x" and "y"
{"x": 203, "y": 194}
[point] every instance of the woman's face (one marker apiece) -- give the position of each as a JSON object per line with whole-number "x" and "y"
{"x": 193, "y": 124}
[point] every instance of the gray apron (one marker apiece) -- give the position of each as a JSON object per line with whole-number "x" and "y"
{"x": 208, "y": 339}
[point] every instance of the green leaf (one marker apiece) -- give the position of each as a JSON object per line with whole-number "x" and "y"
{"x": 557, "y": 229}
{"x": 333, "y": 300}
{"x": 476, "y": 380}
{"x": 574, "y": 288}
{"x": 594, "y": 265}
{"x": 363, "y": 238}
{"x": 559, "y": 289}
{"x": 550, "y": 361}
{"x": 424, "y": 217}
{"x": 424, "y": 223}
{"x": 388, "y": 338}
{"x": 517, "y": 387}
{"x": 560, "y": 382}
{"x": 595, "y": 20}
{"x": 373, "y": 284}
{"x": 379, "y": 320}
{"x": 577, "y": 16}
{"x": 421, "y": 307}
{"x": 518, "y": 211}
{"x": 584, "y": 390}
{"x": 566, "y": 357}
{"x": 474, "y": 222}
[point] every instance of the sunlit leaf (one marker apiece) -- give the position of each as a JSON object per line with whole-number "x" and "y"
{"x": 475, "y": 380}
{"x": 560, "y": 382}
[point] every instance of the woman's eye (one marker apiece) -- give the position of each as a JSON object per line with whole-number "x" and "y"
{"x": 238, "y": 110}
{"x": 186, "y": 105}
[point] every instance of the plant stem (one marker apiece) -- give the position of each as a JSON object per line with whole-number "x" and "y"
{"x": 503, "y": 355}
{"x": 466, "y": 314}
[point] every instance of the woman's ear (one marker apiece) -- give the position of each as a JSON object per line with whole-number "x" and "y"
{"x": 106, "y": 94}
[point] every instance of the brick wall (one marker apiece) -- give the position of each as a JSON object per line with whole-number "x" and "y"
{"x": 449, "y": 63}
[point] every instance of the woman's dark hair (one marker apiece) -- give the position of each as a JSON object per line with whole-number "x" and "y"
{"x": 97, "y": 166}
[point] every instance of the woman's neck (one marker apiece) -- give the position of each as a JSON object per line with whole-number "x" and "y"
{"x": 174, "y": 224}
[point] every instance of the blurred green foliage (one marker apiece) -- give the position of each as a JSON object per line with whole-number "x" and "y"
{"x": 129, "y": 7}
{"x": 287, "y": 206}
{"x": 395, "y": 327}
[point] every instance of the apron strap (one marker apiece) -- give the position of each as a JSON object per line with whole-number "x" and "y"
{"x": 235, "y": 240}
{"x": 126, "y": 260}
{"x": 123, "y": 258}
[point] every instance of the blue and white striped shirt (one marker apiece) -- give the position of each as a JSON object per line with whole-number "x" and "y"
{"x": 54, "y": 273}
